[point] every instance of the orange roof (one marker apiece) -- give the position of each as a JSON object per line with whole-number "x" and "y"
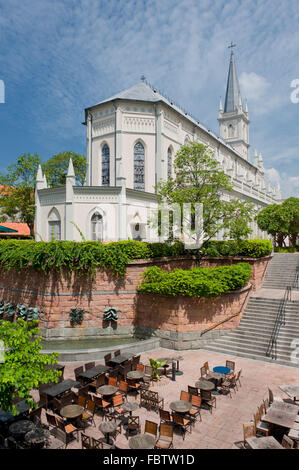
{"x": 21, "y": 228}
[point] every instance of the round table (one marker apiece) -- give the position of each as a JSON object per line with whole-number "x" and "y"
{"x": 71, "y": 411}
{"x": 180, "y": 406}
{"x": 37, "y": 437}
{"x": 135, "y": 374}
{"x": 178, "y": 359}
{"x": 142, "y": 441}
{"x": 107, "y": 390}
{"x": 203, "y": 384}
{"x": 107, "y": 427}
{"x": 221, "y": 370}
{"x": 21, "y": 427}
{"x": 130, "y": 406}
{"x": 216, "y": 378}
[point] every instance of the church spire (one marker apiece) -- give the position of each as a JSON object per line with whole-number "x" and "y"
{"x": 233, "y": 95}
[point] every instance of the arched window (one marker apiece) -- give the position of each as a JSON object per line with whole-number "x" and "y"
{"x": 139, "y": 166}
{"x": 187, "y": 140}
{"x": 169, "y": 162}
{"x": 105, "y": 165}
{"x": 54, "y": 225}
{"x": 97, "y": 227}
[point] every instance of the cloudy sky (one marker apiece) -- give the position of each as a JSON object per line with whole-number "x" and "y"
{"x": 59, "y": 57}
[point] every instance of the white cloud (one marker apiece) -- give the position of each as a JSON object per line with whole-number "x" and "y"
{"x": 253, "y": 86}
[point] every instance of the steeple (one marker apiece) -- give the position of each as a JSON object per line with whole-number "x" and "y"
{"x": 233, "y": 120}
{"x": 233, "y": 95}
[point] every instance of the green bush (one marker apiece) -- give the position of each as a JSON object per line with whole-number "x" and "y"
{"x": 248, "y": 248}
{"x": 195, "y": 282}
{"x": 86, "y": 257}
{"x": 287, "y": 249}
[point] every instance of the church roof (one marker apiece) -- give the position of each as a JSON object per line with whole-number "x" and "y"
{"x": 232, "y": 96}
{"x": 142, "y": 91}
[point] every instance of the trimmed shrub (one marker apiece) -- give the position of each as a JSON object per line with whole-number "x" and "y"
{"x": 248, "y": 248}
{"x": 195, "y": 282}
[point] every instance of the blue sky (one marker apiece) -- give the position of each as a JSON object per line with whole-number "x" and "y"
{"x": 58, "y": 57}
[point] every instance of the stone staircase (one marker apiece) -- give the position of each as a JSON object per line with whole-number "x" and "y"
{"x": 281, "y": 271}
{"x": 251, "y": 338}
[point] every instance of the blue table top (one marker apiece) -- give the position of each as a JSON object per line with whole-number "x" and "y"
{"x": 221, "y": 369}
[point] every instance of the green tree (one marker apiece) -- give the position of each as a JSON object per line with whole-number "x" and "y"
{"x": 242, "y": 213}
{"x": 199, "y": 180}
{"x": 24, "y": 367}
{"x": 56, "y": 168}
{"x": 281, "y": 221}
{"x": 17, "y": 198}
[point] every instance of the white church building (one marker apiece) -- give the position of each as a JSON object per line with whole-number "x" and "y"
{"x": 132, "y": 138}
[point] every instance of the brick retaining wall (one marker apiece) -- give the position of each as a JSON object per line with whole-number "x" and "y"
{"x": 56, "y": 294}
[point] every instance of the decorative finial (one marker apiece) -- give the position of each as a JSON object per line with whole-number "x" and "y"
{"x": 142, "y": 78}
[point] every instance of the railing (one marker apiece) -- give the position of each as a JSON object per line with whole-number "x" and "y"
{"x": 296, "y": 281}
{"x": 212, "y": 327}
{"x": 279, "y": 321}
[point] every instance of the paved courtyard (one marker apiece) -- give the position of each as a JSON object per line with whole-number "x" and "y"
{"x": 223, "y": 428}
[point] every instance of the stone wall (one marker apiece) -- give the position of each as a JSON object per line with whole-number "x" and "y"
{"x": 55, "y": 294}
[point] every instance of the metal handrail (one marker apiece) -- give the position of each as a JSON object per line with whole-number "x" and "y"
{"x": 279, "y": 321}
{"x": 296, "y": 281}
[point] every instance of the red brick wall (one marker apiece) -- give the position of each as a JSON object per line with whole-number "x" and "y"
{"x": 185, "y": 314}
{"x": 31, "y": 288}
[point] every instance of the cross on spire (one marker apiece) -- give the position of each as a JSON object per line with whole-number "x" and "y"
{"x": 231, "y": 46}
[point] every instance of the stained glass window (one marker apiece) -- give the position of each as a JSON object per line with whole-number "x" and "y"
{"x": 105, "y": 165}
{"x": 169, "y": 163}
{"x": 139, "y": 166}
{"x": 97, "y": 227}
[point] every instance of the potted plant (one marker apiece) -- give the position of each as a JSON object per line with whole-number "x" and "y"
{"x": 155, "y": 366}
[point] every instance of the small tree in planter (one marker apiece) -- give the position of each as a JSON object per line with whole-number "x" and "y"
{"x": 155, "y": 366}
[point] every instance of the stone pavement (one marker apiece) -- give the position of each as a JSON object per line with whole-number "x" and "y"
{"x": 223, "y": 428}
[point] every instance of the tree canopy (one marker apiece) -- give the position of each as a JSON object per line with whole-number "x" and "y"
{"x": 17, "y": 197}
{"x": 281, "y": 221}
{"x": 56, "y": 168}
{"x": 23, "y": 368}
{"x": 198, "y": 179}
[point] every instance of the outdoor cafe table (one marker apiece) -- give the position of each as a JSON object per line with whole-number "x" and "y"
{"x": 107, "y": 390}
{"x": 285, "y": 406}
{"x": 21, "y": 427}
{"x": 280, "y": 417}
{"x": 221, "y": 370}
{"x": 62, "y": 387}
{"x": 90, "y": 374}
{"x": 130, "y": 406}
{"x": 117, "y": 360}
{"x": 164, "y": 359}
{"x": 180, "y": 406}
{"x": 37, "y": 437}
{"x": 142, "y": 441}
{"x": 203, "y": 384}
{"x": 107, "y": 427}
{"x": 135, "y": 374}
{"x": 267, "y": 442}
{"x": 291, "y": 390}
{"x": 71, "y": 411}
{"x": 55, "y": 366}
{"x": 178, "y": 359}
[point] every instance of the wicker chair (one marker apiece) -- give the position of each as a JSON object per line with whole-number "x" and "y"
{"x": 151, "y": 427}
{"x": 184, "y": 423}
{"x": 192, "y": 390}
{"x": 117, "y": 353}
{"x": 206, "y": 397}
{"x": 185, "y": 396}
{"x": 248, "y": 431}
{"x": 261, "y": 426}
{"x": 195, "y": 410}
{"x": 133, "y": 424}
{"x": 89, "y": 365}
{"x": 165, "y": 417}
{"x": 107, "y": 360}
{"x": 100, "y": 380}
{"x": 165, "y": 440}
{"x": 88, "y": 413}
{"x": 77, "y": 372}
{"x": 287, "y": 442}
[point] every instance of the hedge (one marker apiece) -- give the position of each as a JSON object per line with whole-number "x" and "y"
{"x": 247, "y": 248}
{"x": 86, "y": 257}
{"x": 195, "y": 282}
